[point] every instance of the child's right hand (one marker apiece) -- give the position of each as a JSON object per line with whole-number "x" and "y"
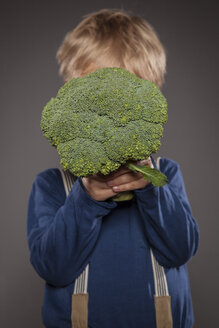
{"x": 97, "y": 187}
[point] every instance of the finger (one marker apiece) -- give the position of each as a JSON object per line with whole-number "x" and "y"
{"x": 123, "y": 169}
{"x": 103, "y": 186}
{"x": 146, "y": 162}
{"x": 98, "y": 190}
{"x": 135, "y": 184}
{"x": 100, "y": 179}
{"x": 150, "y": 162}
{"x": 125, "y": 178}
{"x": 112, "y": 175}
{"x": 106, "y": 193}
{"x": 143, "y": 162}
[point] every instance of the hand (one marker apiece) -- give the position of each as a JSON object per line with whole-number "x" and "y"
{"x": 96, "y": 185}
{"x": 100, "y": 186}
{"x": 130, "y": 180}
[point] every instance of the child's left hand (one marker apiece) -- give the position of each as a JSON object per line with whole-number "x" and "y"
{"x": 129, "y": 180}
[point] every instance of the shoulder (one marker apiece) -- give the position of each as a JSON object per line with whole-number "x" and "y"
{"x": 171, "y": 169}
{"x": 168, "y": 164}
{"x": 47, "y": 194}
{"x": 49, "y": 174}
{"x": 49, "y": 181}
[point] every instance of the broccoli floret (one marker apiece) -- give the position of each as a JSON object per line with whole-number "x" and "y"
{"x": 105, "y": 119}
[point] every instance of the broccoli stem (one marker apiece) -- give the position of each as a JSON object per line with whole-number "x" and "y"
{"x": 124, "y": 195}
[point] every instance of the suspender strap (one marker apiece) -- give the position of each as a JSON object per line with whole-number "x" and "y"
{"x": 79, "y": 312}
{"x": 160, "y": 281}
{"x": 81, "y": 282}
{"x": 162, "y": 300}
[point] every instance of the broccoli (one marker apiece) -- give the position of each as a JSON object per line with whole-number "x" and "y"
{"x": 106, "y": 119}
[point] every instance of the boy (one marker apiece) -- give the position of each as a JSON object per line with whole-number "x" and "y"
{"x": 87, "y": 226}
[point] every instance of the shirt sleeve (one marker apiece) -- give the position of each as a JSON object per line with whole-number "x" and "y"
{"x": 62, "y": 231}
{"x": 170, "y": 227}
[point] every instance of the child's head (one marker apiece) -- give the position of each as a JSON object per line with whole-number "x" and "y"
{"x": 113, "y": 38}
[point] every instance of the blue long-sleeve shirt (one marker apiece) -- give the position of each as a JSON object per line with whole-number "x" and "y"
{"x": 66, "y": 233}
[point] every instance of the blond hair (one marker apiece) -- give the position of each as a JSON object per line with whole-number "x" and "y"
{"x": 113, "y": 38}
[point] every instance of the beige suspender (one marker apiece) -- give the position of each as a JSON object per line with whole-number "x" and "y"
{"x": 162, "y": 300}
{"x": 79, "y": 313}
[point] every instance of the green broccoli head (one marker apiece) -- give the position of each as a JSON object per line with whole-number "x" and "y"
{"x": 100, "y": 121}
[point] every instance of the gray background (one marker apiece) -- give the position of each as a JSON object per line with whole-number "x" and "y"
{"x": 31, "y": 34}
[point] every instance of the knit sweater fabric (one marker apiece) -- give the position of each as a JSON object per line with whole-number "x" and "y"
{"x": 66, "y": 233}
